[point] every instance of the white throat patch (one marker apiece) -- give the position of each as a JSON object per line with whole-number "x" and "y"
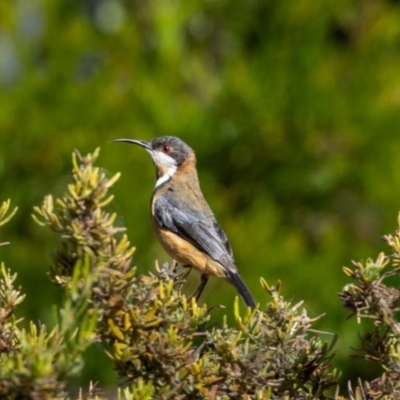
{"x": 166, "y": 164}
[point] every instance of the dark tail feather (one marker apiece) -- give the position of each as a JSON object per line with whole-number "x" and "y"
{"x": 240, "y": 286}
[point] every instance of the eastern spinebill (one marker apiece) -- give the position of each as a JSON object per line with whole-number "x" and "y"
{"x": 182, "y": 219}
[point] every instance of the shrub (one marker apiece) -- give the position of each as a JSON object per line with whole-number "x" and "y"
{"x": 162, "y": 344}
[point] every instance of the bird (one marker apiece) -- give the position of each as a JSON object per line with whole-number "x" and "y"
{"x": 182, "y": 219}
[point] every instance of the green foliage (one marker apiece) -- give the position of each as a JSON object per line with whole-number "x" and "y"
{"x": 9, "y": 299}
{"x": 372, "y": 298}
{"x": 79, "y": 219}
{"x": 36, "y": 363}
{"x": 3, "y": 211}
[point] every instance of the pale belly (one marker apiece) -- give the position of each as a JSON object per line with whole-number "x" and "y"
{"x": 187, "y": 254}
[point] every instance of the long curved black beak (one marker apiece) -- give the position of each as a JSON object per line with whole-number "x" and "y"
{"x": 141, "y": 143}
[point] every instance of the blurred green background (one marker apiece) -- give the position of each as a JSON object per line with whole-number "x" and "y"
{"x": 293, "y": 109}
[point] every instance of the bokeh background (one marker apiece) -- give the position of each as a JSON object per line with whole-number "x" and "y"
{"x": 293, "y": 109}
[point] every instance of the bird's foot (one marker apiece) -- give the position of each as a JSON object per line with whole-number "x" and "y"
{"x": 197, "y": 293}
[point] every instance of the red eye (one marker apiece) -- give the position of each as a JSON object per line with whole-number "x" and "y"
{"x": 166, "y": 148}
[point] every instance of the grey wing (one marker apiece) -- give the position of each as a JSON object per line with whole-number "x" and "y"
{"x": 200, "y": 230}
{"x": 224, "y": 239}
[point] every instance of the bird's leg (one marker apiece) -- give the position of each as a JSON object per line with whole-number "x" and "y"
{"x": 176, "y": 266}
{"x": 181, "y": 276}
{"x": 197, "y": 293}
{"x": 186, "y": 274}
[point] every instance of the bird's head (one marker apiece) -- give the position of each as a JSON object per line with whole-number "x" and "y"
{"x": 168, "y": 154}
